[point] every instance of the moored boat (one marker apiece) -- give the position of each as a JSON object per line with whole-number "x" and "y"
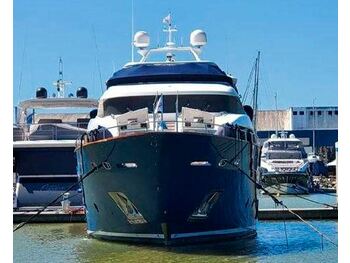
{"x": 44, "y": 139}
{"x": 284, "y": 166}
{"x": 172, "y": 152}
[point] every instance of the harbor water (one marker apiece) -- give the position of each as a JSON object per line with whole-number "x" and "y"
{"x": 70, "y": 243}
{"x": 291, "y": 201}
{"x": 276, "y": 241}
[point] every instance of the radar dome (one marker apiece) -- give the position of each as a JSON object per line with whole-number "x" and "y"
{"x": 292, "y": 136}
{"x": 141, "y": 39}
{"x": 41, "y": 93}
{"x": 198, "y": 38}
{"x": 273, "y": 136}
{"x": 82, "y": 93}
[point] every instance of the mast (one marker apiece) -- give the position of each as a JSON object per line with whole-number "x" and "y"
{"x": 169, "y": 29}
{"x": 60, "y": 84}
{"x": 313, "y": 127}
{"x": 256, "y": 90}
{"x": 132, "y": 30}
{"x": 276, "y": 113}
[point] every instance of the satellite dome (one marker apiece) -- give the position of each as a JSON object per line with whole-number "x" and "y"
{"x": 141, "y": 39}
{"x": 41, "y": 93}
{"x": 198, "y": 38}
{"x": 273, "y": 136}
{"x": 82, "y": 93}
{"x": 292, "y": 136}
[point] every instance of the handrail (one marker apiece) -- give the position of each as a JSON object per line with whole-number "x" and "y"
{"x": 235, "y": 131}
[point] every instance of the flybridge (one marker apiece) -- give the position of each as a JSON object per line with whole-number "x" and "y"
{"x": 170, "y": 70}
{"x": 198, "y": 39}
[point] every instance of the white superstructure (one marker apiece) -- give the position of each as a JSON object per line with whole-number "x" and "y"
{"x": 124, "y": 104}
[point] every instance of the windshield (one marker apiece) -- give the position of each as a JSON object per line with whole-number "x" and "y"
{"x": 284, "y": 145}
{"x": 291, "y": 146}
{"x": 284, "y": 155}
{"x": 210, "y": 103}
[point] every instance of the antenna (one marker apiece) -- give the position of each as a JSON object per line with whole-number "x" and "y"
{"x": 60, "y": 83}
{"x": 132, "y": 30}
{"x": 313, "y": 126}
{"x": 21, "y": 72}
{"x": 276, "y": 113}
{"x": 169, "y": 30}
{"x": 256, "y": 89}
{"x": 97, "y": 58}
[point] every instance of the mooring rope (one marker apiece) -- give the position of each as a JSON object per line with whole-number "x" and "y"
{"x": 285, "y": 227}
{"x": 56, "y": 199}
{"x": 320, "y": 191}
{"x": 67, "y": 190}
{"x": 305, "y": 198}
{"x": 279, "y": 202}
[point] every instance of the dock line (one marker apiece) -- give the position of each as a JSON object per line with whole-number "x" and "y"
{"x": 19, "y": 226}
{"x": 277, "y": 201}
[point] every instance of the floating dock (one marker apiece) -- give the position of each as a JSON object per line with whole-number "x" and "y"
{"x": 48, "y": 217}
{"x": 305, "y": 213}
{"x": 264, "y": 214}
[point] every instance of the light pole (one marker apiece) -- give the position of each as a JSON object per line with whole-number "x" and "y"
{"x": 313, "y": 126}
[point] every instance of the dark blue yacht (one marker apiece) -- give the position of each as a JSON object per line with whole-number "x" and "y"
{"x": 172, "y": 151}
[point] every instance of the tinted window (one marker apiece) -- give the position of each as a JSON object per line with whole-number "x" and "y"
{"x": 284, "y": 155}
{"x": 210, "y": 103}
{"x": 295, "y": 113}
{"x": 45, "y": 161}
{"x": 282, "y": 146}
{"x": 301, "y": 113}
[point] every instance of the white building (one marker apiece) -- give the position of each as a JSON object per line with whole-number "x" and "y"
{"x": 298, "y": 118}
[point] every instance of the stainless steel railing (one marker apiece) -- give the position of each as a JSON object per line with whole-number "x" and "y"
{"x": 228, "y": 130}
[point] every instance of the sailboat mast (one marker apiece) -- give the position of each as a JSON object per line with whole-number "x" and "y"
{"x": 276, "y": 114}
{"x": 256, "y": 89}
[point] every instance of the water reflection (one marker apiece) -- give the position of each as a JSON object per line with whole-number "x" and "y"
{"x": 70, "y": 243}
{"x": 213, "y": 252}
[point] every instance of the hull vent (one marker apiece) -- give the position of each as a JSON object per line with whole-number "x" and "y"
{"x": 206, "y": 205}
{"x": 128, "y": 208}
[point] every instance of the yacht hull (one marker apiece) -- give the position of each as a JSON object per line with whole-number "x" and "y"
{"x": 169, "y": 188}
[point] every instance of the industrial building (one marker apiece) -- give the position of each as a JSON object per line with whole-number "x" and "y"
{"x": 305, "y": 123}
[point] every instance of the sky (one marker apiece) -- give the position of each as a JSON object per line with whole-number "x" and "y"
{"x": 298, "y": 41}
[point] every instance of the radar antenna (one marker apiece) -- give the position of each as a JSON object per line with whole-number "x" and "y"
{"x": 198, "y": 39}
{"x": 169, "y": 30}
{"x": 60, "y": 84}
